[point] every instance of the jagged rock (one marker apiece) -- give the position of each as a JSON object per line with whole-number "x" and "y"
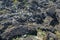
{"x": 17, "y": 31}
{"x": 54, "y": 22}
{"x": 51, "y": 35}
{"x": 1, "y": 18}
{"x": 20, "y": 0}
{"x": 21, "y": 5}
{"x": 32, "y": 14}
{"x": 7, "y": 3}
{"x": 34, "y": 6}
{"x": 6, "y": 24}
{"x": 51, "y": 12}
{"x": 58, "y": 4}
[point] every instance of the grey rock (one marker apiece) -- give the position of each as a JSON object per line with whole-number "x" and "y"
{"x": 17, "y": 31}
{"x": 51, "y": 12}
{"x": 51, "y": 35}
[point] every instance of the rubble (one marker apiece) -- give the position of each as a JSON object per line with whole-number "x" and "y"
{"x": 27, "y": 16}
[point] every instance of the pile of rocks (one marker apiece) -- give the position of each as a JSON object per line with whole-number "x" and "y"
{"x": 25, "y": 17}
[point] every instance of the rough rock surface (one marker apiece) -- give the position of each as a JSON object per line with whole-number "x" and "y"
{"x": 26, "y": 17}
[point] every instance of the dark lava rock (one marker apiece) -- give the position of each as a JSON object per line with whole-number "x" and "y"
{"x": 17, "y": 31}
{"x": 39, "y": 18}
{"x": 51, "y": 12}
{"x": 44, "y": 4}
{"x": 54, "y": 22}
{"x": 22, "y": 0}
{"x": 34, "y": 6}
{"x": 0, "y": 38}
{"x": 43, "y": 16}
{"x": 7, "y": 24}
{"x": 1, "y": 18}
{"x": 39, "y": 21}
{"x": 21, "y": 5}
{"x": 52, "y": 30}
{"x": 18, "y": 14}
{"x": 21, "y": 20}
{"x": 58, "y": 4}
{"x": 51, "y": 35}
{"x": 5, "y": 27}
{"x": 7, "y": 3}
{"x": 54, "y": 0}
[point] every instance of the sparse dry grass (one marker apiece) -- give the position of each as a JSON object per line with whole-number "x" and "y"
{"x": 41, "y": 35}
{"x": 1, "y": 26}
{"x": 58, "y": 34}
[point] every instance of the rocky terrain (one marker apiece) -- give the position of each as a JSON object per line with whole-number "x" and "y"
{"x": 29, "y": 19}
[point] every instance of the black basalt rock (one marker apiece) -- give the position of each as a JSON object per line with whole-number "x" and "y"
{"x": 54, "y": 22}
{"x": 39, "y": 21}
{"x": 18, "y": 31}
